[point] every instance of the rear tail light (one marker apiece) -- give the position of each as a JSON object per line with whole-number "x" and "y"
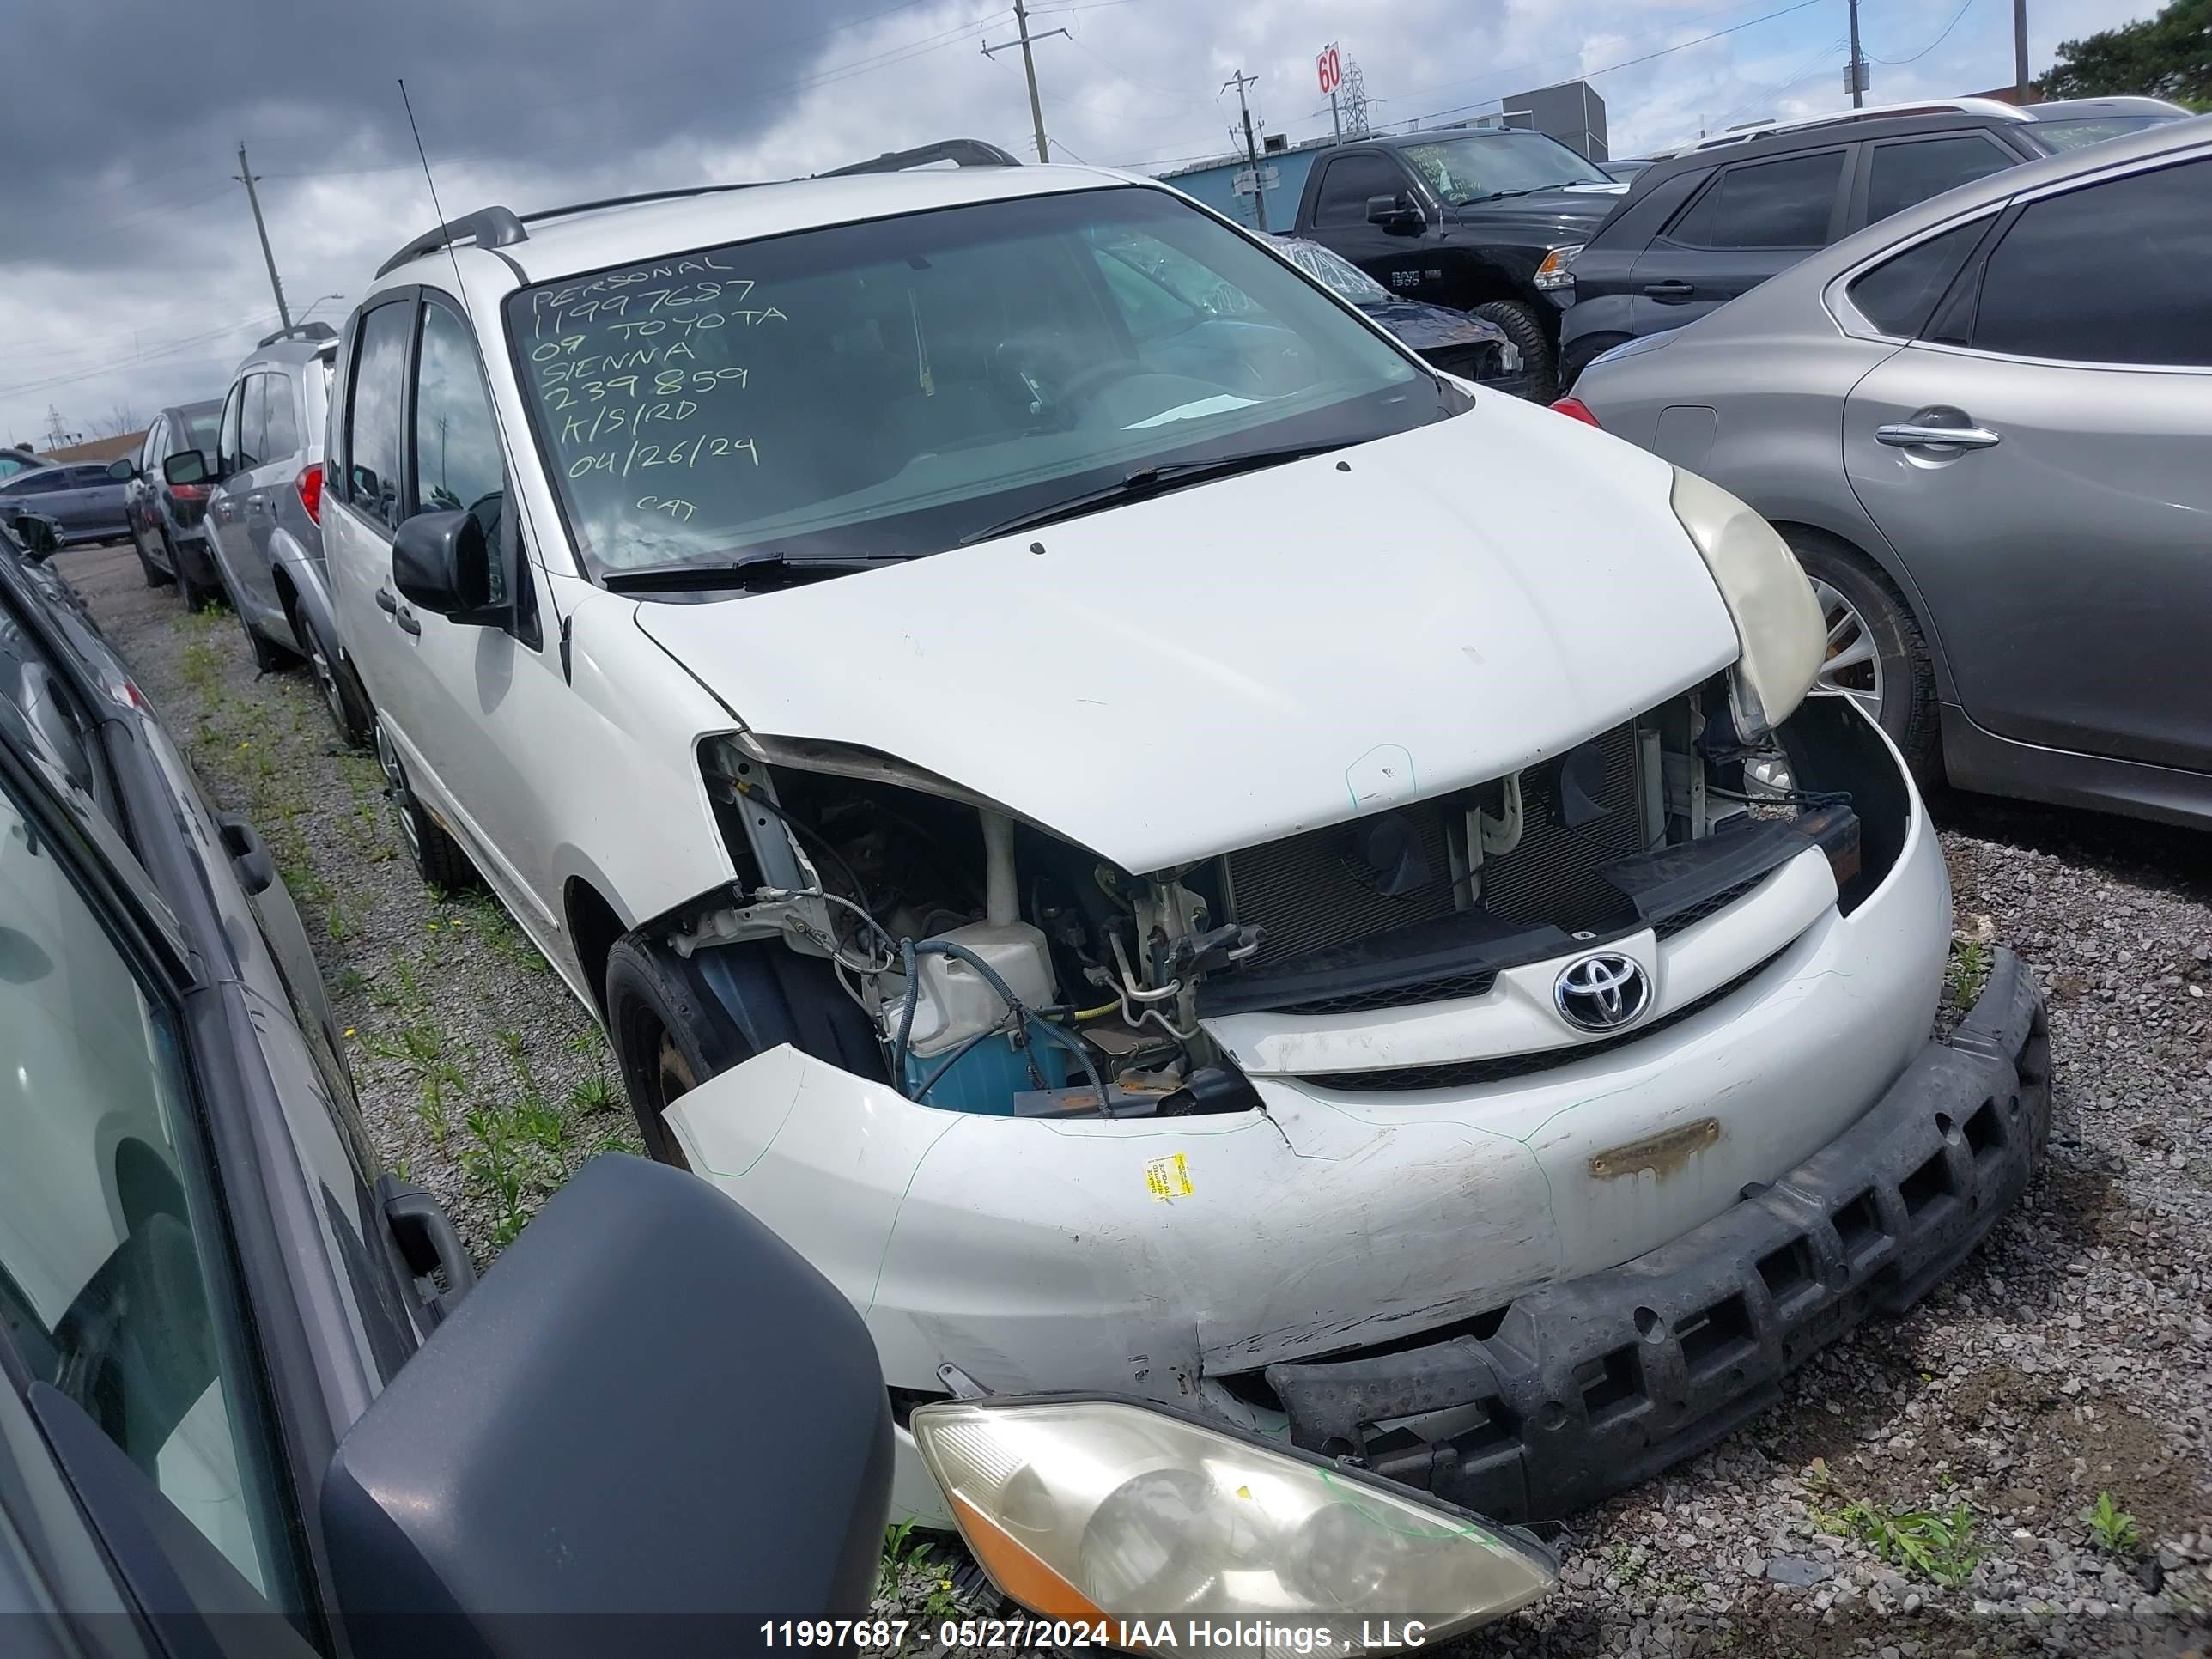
{"x": 310, "y": 486}
{"x": 189, "y": 492}
{"x": 1576, "y": 409}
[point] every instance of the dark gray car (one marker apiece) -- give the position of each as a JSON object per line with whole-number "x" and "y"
{"x": 264, "y": 511}
{"x": 167, "y": 523}
{"x": 80, "y": 497}
{"x": 1982, "y": 425}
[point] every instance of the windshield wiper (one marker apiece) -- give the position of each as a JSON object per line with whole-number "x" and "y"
{"x": 1147, "y": 481}
{"x": 754, "y": 570}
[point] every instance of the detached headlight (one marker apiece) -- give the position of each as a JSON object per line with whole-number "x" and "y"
{"x": 1557, "y": 270}
{"x": 1778, "y": 624}
{"x": 1104, "y": 1511}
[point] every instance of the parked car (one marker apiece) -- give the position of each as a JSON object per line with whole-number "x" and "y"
{"x": 167, "y": 523}
{"x": 1071, "y": 822}
{"x": 2008, "y": 538}
{"x": 1728, "y": 214}
{"x": 237, "y": 1363}
{"x": 83, "y": 502}
{"x": 1629, "y": 169}
{"x": 264, "y": 509}
{"x": 1477, "y": 220}
{"x": 13, "y": 460}
{"x": 1455, "y": 342}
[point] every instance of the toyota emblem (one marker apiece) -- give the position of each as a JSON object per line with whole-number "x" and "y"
{"x": 1602, "y": 993}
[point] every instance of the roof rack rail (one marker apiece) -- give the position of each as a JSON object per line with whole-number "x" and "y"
{"x": 543, "y": 214}
{"x": 491, "y": 226}
{"x": 1989, "y": 106}
{"x": 317, "y": 330}
{"x": 965, "y": 152}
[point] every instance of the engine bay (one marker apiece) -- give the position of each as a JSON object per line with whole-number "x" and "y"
{"x": 1004, "y": 970}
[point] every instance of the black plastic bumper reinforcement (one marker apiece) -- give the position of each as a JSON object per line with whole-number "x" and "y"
{"x": 1589, "y": 1387}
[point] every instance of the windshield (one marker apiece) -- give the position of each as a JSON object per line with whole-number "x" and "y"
{"x": 1483, "y": 165}
{"x": 2059, "y": 136}
{"x": 888, "y": 387}
{"x": 1334, "y": 270}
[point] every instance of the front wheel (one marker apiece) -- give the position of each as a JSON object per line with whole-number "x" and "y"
{"x": 1877, "y": 656}
{"x": 197, "y": 595}
{"x": 670, "y": 1034}
{"x": 438, "y": 858}
{"x": 155, "y": 576}
{"x": 1540, "y": 364}
{"x": 342, "y": 697}
{"x": 1574, "y": 359}
{"x": 268, "y": 657}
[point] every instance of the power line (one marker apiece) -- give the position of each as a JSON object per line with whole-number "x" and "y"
{"x": 151, "y": 355}
{"x": 1957, "y": 17}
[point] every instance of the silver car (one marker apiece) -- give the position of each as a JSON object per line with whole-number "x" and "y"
{"x": 264, "y": 515}
{"x": 1985, "y": 426}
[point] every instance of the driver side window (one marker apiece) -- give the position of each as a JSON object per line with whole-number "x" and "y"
{"x": 114, "y": 1274}
{"x": 232, "y": 436}
{"x": 457, "y": 457}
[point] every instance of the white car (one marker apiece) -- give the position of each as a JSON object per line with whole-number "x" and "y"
{"x": 1169, "y": 853}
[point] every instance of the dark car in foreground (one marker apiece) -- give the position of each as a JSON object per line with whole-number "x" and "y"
{"x": 1986, "y": 446}
{"x": 167, "y": 523}
{"x": 84, "y": 502}
{"x": 1455, "y": 342}
{"x": 1720, "y": 218}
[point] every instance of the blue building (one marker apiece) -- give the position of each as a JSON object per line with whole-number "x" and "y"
{"x": 1282, "y": 176}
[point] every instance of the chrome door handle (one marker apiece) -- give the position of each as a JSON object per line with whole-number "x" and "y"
{"x": 386, "y": 603}
{"x": 1957, "y": 437}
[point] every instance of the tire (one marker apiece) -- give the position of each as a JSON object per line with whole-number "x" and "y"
{"x": 1574, "y": 359}
{"x": 344, "y": 699}
{"x": 675, "y": 1023}
{"x": 1895, "y": 682}
{"x": 438, "y": 858}
{"x": 1525, "y": 328}
{"x": 268, "y": 658}
{"x": 155, "y": 576}
{"x": 196, "y": 595}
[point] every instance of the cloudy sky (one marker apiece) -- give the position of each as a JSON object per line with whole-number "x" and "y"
{"x": 129, "y": 276}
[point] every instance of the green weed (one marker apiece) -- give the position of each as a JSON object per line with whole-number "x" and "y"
{"x": 2112, "y": 1527}
{"x": 1939, "y": 1547}
{"x": 1968, "y": 973}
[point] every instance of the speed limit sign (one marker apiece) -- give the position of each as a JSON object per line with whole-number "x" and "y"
{"x": 1331, "y": 68}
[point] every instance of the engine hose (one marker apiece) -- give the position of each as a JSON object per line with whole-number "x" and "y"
{"x": 906, "y": 1016}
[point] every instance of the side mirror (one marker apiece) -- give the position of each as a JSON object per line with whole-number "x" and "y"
{"x": 1395, "y": 215}
{"x": 40, "y": 536}
{"x": 651, "y": 1406}
{"x": 123, "y": 471}
{"x": 443, "y": 562}
{"x": 186, "y": 467}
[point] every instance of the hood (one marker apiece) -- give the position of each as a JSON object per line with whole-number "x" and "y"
{"x": 1431, "y": 328}
{"x": 1546, "y": 215}
{"x": 1242, "y": 660}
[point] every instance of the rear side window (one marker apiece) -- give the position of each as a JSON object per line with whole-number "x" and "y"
{"x": 374, "y": 419}
{"x": 199, "y": 432}
{"x": 1899, "y": 175}
{"x": 1754, "y": 204}
{"x": 2052, "y": 288}
{"x": 1350, "y": 180}
{"x": 149, "y": 459}
{"x": 1897, "y": 296}
{"x": 280, "y": 435}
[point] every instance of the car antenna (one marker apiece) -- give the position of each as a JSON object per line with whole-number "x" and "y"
{"x": 461, "y": 293}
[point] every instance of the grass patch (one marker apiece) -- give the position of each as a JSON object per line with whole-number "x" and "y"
{"x": 1938, "y": 1544}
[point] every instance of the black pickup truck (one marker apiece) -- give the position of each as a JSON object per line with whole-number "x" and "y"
{"x": 1486, "y": 220}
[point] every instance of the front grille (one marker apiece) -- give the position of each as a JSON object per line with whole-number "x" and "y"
{"x": 1447, "y": 989}
{"x": 1690, "y": 916}
{"x": 1503, "y": 1068}
{"x": 1309, "y": 892}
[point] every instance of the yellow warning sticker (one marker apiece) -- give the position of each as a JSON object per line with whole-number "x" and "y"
{"x": 1168, "y": 1177}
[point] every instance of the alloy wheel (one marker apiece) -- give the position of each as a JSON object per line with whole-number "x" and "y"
{"x": 1854, "y": 665}
{"x": 403, "y": 801}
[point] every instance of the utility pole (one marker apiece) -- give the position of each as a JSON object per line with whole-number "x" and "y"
{"x": 1858, "y": 70}
{"x": 245, "y": 176}
{"x": 1240, "y": 81}
{"x": 2019, "y": 49}
{"x": 1029, "y": 68}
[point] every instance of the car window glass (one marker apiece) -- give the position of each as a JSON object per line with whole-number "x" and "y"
{"x": 109, "y": 1255}
{"x": 380, "y": 378}
{"x": 2051, "y": 289}
{"x": 1350, "y": 180}
{"x": 32, "y": 483}
{"x": 280, "y": 420}
{"x": 43, "y": 721}
{"x": 456, "y": 461}
{"x": 1784, "y": 203}
{"x": 149, "y": 459}
{"x": 230, "y": 435}
{"x": 198, "y": 431}
{"x": 1901, "y": 175}
{"x": 1897, "y": 296}
{"x": 84, "y": 478}
{"x": 253, "y": 428}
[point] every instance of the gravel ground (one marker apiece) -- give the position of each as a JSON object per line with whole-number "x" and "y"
{"x": 1922, "y": 1491}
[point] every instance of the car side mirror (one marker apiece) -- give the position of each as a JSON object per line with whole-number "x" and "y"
{"x": 123, "y": 471}
{"x": 650, "y": 1405}
{"x": 1395, "y": 215}
{"x": 187, "y": 466}
{"x": 40, "y": 537}
{"x": 443, "y": 563}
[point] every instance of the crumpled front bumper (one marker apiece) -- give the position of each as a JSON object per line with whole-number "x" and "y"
{"x": 1590, "y": 1386}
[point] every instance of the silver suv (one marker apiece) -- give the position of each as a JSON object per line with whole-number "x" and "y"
{"x": 264, "y": 515}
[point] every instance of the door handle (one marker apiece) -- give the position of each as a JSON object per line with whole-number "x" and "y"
{"x": 429, "y": 1243}
{"x": 386, "y": 603}
{"x": 1669, "y": 290}
{"x": 1909, "y": 436}
{"x": 406, "y": 619}
{"x": 249, "y": 854}
{"x": 257, "y": 504}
